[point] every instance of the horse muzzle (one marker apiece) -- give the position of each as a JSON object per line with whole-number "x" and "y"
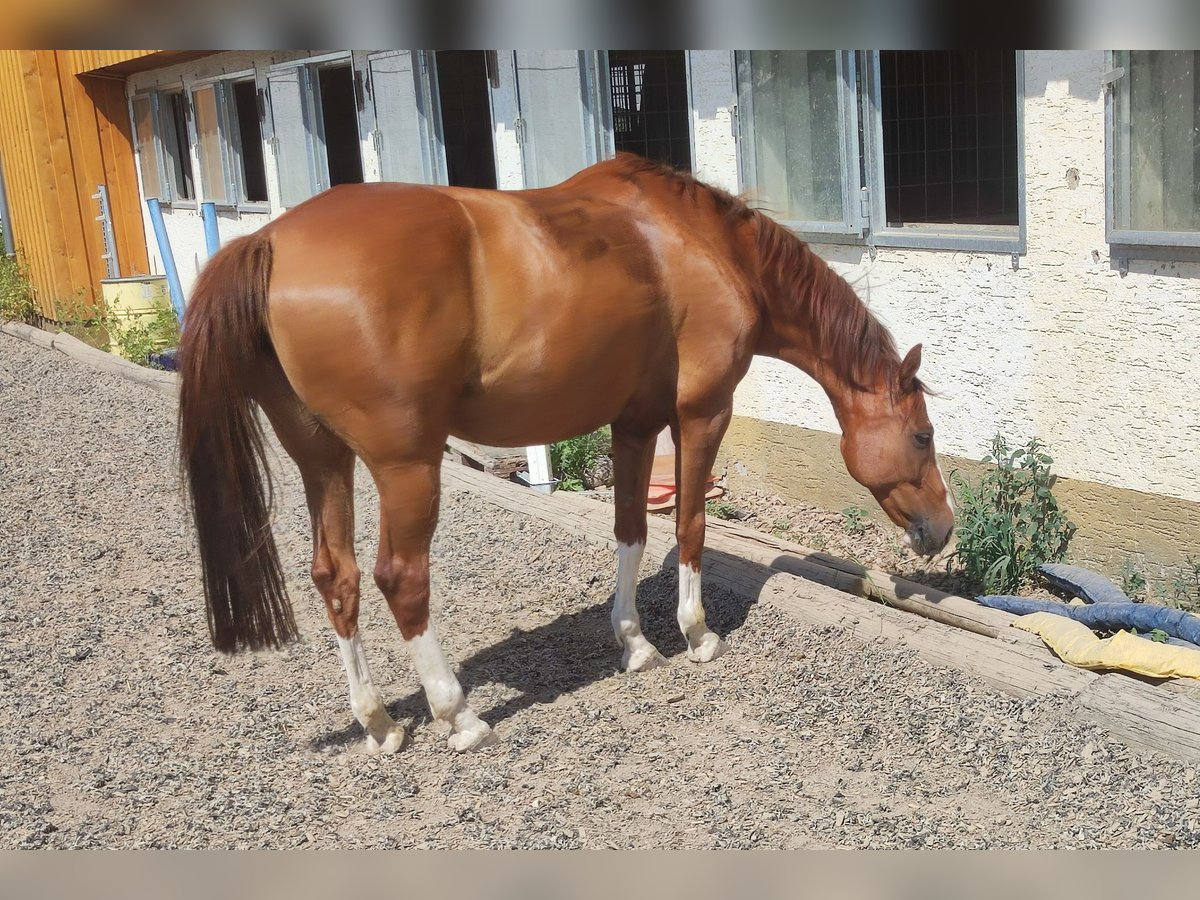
{"x": 927, "y": 538}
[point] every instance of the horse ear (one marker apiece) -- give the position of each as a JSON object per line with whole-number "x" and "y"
{"x": 908, "y": 368}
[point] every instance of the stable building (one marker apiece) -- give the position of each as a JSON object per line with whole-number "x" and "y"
{"x": 1033, "y": 218}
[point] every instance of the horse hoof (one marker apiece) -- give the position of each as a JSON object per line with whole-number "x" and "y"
{"x": 394, "y": 740}
{"x": 475, "y": 737}
{"x": 709, "y": 648}
{"x": 645, "y": 659}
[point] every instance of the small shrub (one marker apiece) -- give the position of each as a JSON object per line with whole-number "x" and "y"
{"x": 16, "y": 293}
{"x": 573, "y": 458}
{"x": 139, "y": 339}
{"x": 1186, "y": 589}
{"x": 721, "y": 509}
{"x": 1009, "y": 522}
{"x": 1133, "y": 583}
{"x": 855, "y": 520}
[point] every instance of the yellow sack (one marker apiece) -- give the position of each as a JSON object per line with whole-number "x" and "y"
{"x": 1075, "y": 643}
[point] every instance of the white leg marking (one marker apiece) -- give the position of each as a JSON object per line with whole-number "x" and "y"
{"x": 383, "y": 734}
{"x": 639, "y": 653}
{"x": 703, "y": 645}
{"x": 445, "y": 694}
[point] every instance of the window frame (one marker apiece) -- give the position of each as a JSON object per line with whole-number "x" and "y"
{"x": 1131, "y": 242}
{"x": 165, "y": 191}
{"x": 863, "y": 194}
{"x": 186, "y": 140}
{"x": 934, "y": 236}
{"x": 229, "y": 140}
{"x": 428, "y": 117}
{"x": 310, "y": 99}
{"x": 853, "y": 225}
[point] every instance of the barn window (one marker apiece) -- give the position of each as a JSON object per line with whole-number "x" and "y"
{"x": 146, "y": 136}
{"x": 650, "y": 114}
{"x": 246, "y": 131}
{"x": 229, "y": 142}
{"x": 339, "y": 125}
{"x": 315, "y": 126}
{"x": 798, "y": 129}
{"x": 1153, "y": 147}
{"x": 462, "y": 90}
{"x": 160, "y": 125}
{"x": 949, "y": 129}
{"x": 173, "y": 118}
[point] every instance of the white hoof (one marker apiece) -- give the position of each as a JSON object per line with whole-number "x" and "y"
{"x": 393, "y": 740}
{"x": 642, "y": 659}
{"x": 474, "y": 734}
{"x": 709, "y": 648}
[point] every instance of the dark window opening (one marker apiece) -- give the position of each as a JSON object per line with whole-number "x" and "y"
{"x": 950, "y": 136}
{"x": 650, "y": 105}
{"x": 175, "y": 145}
{"x": 466, "y": 118}
{"x": 339, "y": 120}
{"x": 254, "y": 172}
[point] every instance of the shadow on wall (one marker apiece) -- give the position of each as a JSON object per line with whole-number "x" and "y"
{"x": 578, "y": 649}
{"x": 1080, "y": 69}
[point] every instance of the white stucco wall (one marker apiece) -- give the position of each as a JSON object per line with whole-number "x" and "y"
{"x": 1103, "y": 366}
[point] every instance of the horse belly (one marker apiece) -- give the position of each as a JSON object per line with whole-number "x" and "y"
{"x": 558, "y": 385}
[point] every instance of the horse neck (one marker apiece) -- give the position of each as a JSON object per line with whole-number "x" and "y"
{"x": 813, "y": 319}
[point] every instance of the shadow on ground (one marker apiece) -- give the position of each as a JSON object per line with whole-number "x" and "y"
{"x": 577, "y": 649}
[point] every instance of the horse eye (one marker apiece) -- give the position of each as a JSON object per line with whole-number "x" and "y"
{"x": 922, "y": 439}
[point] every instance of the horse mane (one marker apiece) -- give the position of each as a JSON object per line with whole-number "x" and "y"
{"x": 848, "y": 337}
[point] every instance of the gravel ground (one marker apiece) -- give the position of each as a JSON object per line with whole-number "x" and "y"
{"x": 119, "y": 727}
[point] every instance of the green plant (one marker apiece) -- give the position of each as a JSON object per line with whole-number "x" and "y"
{"x": 1009, "y": 522}
{"x": 572, "y": 458}
{"x": 1133, "y": 583}
{"x": 1158, "y": 636}
{"x": 855, "y": 520}
{"x": 16, "y": 293}
{"x": 137, "y": 340}
{"x": 721, "y": 509}
{"x": 1186, "y": 589}
{"x": 781, "y": 528}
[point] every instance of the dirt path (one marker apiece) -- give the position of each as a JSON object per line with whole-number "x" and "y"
{"x": 120, "y": 728}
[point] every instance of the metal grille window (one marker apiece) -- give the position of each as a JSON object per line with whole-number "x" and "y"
{"x": 650, "y": 114}
{"x": 949, "y": 137}
{"x": 1153, "y": 148}
{"x": 936, "y": 162}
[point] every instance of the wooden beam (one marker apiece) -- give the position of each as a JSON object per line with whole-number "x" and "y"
{"x": 1142, "y": 715}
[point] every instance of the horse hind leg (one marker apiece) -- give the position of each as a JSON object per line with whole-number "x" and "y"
{"x": 633, "y": 458}
{"x": 326, "y": 466}
{"x": 408, "y": 495}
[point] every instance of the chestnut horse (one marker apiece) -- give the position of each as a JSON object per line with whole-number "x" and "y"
{"x": 375, "y": 320}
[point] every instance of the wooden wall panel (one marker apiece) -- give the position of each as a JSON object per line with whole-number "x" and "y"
{"x": 61, "y": 134}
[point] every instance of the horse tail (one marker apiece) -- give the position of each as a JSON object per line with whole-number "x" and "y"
{"x": 224, "y": 348}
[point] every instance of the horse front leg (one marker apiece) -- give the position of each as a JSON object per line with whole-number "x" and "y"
{"x": 697, "y": 440}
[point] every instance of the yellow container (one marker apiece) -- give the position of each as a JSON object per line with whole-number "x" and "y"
{"x": 133, "y": 301}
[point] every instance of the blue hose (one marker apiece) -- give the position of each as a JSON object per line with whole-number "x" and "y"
{"x": 1107, "y": 616}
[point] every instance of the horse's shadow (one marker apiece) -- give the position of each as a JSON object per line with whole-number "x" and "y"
{"x": 577, "y": 649}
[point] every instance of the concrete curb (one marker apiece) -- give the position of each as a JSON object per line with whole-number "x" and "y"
{"x": 163, "y": 382}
